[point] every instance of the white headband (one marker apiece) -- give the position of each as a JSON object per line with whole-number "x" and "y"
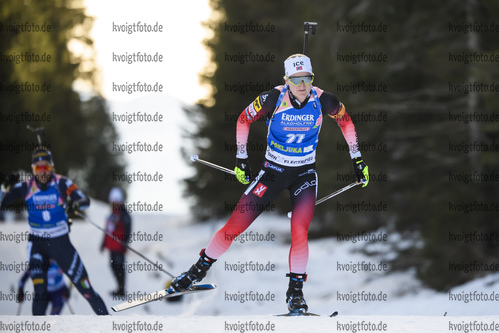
{"x": 297, "y": 64}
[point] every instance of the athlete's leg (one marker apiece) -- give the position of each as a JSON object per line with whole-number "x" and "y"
{"x": 57, "y": 300}
{"x": 303, "y": 193}
{"x": 118, "y": 267}
{"x": 64, "y": 253}
{"x": 255, "y": 200}
{"x": 39, "y": 264}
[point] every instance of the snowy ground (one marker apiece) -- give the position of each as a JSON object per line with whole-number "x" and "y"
{"x": 403, "y": 305}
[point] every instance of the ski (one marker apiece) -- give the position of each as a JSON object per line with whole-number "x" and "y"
{"x": 306, "y": 314}
{"x": 160, "y": 294}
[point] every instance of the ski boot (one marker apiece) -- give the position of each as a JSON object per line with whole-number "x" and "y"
{"x": 172, "y": 299}
{"x": 294, "y": 295}
{"x": 195, "y": 274}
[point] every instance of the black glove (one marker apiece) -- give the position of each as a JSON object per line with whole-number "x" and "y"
{"x": 11, "y": 180}
{"x": 243, "y": 170}
{"x": 361, "y": 171}
{"x": 20, "y": 295}
{"x": 72, "y": 207}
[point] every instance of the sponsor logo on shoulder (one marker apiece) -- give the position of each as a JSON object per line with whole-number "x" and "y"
{"x": 257, "y": 105}
{"x": 251, "y": 110}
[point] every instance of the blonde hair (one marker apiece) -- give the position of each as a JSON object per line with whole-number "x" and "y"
{"x": 295, "y": 55}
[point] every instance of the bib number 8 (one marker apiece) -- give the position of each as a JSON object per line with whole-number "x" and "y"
{"x": 46, "y": 215}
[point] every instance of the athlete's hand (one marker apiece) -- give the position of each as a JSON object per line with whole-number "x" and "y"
{"x": 10, "y": 180}
{"x": 243, "y": 171}
{"x": 72, "y": 207}
{"x": 361, "y": 171}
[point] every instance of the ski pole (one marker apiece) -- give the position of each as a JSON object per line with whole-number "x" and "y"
{"x": 19, "y": 308}
{"x": 124, "y": 244}
{"x": 69, "y": 307}
{"x": 195, "y": 158}
{"x": 69, "y": 295}
{"x": 13, "y": 290}
{"x": 329, "y": 196}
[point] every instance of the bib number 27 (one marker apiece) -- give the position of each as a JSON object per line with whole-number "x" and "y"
{"x": 295, "y": 138}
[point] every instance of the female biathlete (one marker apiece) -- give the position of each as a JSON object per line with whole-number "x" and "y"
{"x": 294, "y": 118}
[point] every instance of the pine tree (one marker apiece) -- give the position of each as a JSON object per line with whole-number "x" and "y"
{"x": 74, "y": 127}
